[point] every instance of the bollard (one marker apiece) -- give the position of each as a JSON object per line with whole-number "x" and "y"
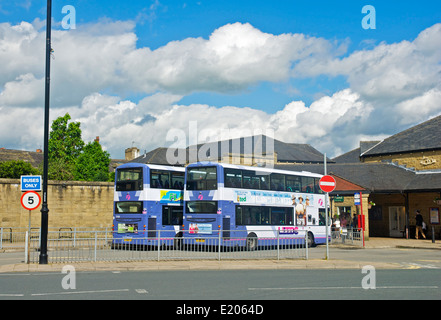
{"x": 433, "y": 234}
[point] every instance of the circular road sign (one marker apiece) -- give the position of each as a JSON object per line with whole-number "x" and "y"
{"x": 30, "y": 200}
{"x": 327, "y": 183}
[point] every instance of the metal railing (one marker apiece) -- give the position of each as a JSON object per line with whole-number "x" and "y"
{"x": 349, "y": 236}
{"x": 82, "y": 246}
{"x": 15, "y": 238}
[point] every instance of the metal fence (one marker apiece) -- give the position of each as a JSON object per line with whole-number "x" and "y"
{"x": 83, "y": 246}
{"x": 15, "y": 238}
{"x": 349, "y": 237}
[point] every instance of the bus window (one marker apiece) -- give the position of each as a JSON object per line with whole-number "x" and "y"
{"x": 281, "y": 216}
{"x": 277, "y": 182}
{"x": 201, "y": 206}
{"x": 204, "y": 178}
{"x": 251, "y": 180}
{"x": 233, "y": 178}
{"x": 293, "y": 183}
{"x": 253, "y": 215}
{"x": 239, "y": 214}
{"x": 172, "y": 216}
{"x": 277, "y": 216}
{"x": 160, "y": 179}
{"x": 307, "y": 184}
{"x": 264, "y": 182}
{"x": 177, "y": 180}
{"x": 317, "y": 187}
{"x": 265, "y": 216}
{"x": 128, "y": 207}
{"x": 322, "y": 217}
{"x": 129, "y": 179}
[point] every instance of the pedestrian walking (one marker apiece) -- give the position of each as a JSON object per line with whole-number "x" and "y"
{"x": 419, "y": 224}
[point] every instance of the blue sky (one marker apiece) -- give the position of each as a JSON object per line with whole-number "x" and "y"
{"x": 339, "y": 75}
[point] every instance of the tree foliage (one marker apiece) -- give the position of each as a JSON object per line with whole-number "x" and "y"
{"x": 70, "y": 158}
{"x": 93, "y": 163}
{"x": 15, "y": 168}
{"x": 65, "y": 140}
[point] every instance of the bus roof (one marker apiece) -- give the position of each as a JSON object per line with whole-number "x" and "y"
{"x": 151, "y": 166}
{"x": 259, "y": 169}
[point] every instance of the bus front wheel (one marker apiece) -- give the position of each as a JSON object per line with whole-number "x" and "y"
{"x": 251, "y": 242}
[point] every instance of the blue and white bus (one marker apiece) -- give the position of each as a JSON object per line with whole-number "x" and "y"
{"x": 228, "y": 202}
{"x": 148, "y": 199}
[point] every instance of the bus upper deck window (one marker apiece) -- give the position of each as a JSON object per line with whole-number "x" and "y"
{"x": 129, "y": 179}
{"x": 202, "y": 178}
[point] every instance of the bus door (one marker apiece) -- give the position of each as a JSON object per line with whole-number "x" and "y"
{"x": 172, "y": 219}
{"x": 226, "y": 227}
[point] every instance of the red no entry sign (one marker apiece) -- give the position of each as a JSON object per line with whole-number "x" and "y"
{"x": 327, "y": 183}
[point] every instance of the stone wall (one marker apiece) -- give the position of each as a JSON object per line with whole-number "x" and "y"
{"x": 427, "y": 160}
{"x": 70, "y": 203}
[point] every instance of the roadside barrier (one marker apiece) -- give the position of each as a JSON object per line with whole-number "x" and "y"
{"x": 15, "y": 238}
{"x": 90, "y": 246}
{"x": 347, "y": 236}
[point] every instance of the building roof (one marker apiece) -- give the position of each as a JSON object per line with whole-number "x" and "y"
{"x": 346, "y": 186}
{"x": 260, "y": 146}
{"x": 34, "y": 158}
{"x": 377, "y": 177}
{"x": 352, "y": 156}
{"x": 159, "y": 156}
{"x": 424, "y": 136}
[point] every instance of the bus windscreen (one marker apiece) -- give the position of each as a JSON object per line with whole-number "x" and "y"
{"x": 202, "y": 178}
{"x": 129, "y": 179}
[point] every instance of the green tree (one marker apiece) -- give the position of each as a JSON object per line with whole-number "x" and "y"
{"x": 93, "y": 163}
{"x": 70, "y": 158}
{"x": 59, "y": 169}
{"x": 15, "y": 168}
{"x": 65, "y": 140}
{"x": 65, "y": 145}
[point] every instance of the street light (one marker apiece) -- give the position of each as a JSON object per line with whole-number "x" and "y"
{"x": 44, "y": 208}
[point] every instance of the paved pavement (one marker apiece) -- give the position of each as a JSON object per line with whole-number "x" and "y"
{"x": 372, "y": 243}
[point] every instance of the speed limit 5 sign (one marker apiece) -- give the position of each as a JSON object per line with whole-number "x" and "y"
{"x": 30, "y": 200}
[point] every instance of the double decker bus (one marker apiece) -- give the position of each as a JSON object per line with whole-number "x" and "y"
{"x": 227, "y": 202}
{"x": 148, "y": 199}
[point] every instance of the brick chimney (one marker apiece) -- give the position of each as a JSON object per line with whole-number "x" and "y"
{"x": 132, "y": 153}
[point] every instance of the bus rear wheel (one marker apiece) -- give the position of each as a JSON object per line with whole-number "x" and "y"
{"x": 311, "y": 241}
{"x": 177, "y": 241}
{"x": 251, "y": 244}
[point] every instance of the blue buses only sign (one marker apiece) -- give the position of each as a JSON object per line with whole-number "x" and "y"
{"x": 30, "y": 183}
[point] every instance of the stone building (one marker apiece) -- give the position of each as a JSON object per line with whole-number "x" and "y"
{"x": 259, "y": 150}
{"x": 403, "y": 174}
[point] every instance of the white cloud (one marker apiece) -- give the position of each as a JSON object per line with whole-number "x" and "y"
{"x": 99, "y": 64}
{"x": 104, "y": 56}
{"x": 234, "y": 57}
{"x": 388, "y": 72}
{"x": 417, "y": 109}
{"x": 22, "y": 91}
{"x": 118, "y": 123}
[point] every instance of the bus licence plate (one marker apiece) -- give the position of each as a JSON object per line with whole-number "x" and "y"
{"x": 200, "y": 240}
{"x": 128, "y": 240}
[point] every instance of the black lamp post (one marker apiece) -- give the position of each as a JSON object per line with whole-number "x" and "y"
{"x": 44, "y": 208}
